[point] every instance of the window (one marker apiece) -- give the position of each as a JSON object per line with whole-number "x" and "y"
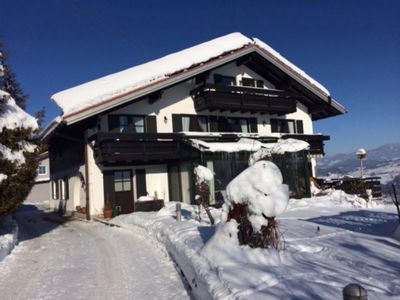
{"x": 138, "y": 124}
{"x": 122, "y": 181}
{"x": 224, "y": 80}
{"x": 54, "y": 190}
{"x": 132, "y": 123}
{"x": 123, "y": 123}
{"x": 41, "y": 170}
{"x": 286, "y": 126}
{"x": 233, "y": 124}
{"x": 250, "y": 82}
{"x": 141, "y": 189}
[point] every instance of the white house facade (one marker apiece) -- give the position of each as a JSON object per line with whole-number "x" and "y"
{"x": 139, "y": 133}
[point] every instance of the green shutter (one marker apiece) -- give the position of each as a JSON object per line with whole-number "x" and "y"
{"x": 109, "y": 192}
{"x": 274, "y": 125}
{"x": 213, "y": 123}
{"x": 299, "y": 126}
{"x": 113, "y": 122}
{"x": 176, "y": 123}
{"x": 253, "y": 125}
{"x": 150, "y": 124}
{"x": 141, "y": 189}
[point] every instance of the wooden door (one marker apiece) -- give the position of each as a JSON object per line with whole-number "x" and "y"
{"x": 118, "y": 189}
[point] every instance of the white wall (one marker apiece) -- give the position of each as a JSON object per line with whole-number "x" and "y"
{"x": 177, "y": 100}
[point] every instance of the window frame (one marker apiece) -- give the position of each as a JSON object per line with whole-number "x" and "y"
{"x": 39, "y": 168}
{"x": 220, "y": 80}
{"x": 294, "y": 122}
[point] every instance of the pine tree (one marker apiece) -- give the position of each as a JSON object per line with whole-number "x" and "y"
{"x": 8, "y": 82}
{"x": 18, "y": 153}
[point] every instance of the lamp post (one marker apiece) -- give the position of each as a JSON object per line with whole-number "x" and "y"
{"x": 361, "y": 155}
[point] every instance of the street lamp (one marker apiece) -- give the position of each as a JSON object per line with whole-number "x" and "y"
{"x": 361, "y": 155}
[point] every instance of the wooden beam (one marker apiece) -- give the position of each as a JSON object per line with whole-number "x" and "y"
{"x": 155, "y": 96}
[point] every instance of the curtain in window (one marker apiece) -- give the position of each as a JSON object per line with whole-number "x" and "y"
{"x": 243, "y": 125}
{"x": 185, "y": 123}
{"x": 138, "y": 124}
{"x": 291, "y": 127}
{"x": 203, "y": 123}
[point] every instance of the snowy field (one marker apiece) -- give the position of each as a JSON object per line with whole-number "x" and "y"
{"x": 330, "y": 241}
{"x": 79, "y": 260}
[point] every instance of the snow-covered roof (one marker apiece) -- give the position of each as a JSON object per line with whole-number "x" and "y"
{"x": 117, "y": 85}
{"x": 13, "y": 116}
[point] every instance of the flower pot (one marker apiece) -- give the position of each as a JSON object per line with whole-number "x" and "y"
{"x": 107, "y": 212}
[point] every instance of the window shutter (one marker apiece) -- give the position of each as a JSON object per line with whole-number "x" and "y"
{"x": 141, "y": 189}
{"x": 299, "y": 126}
{"x": 66, "y": 188}
{"x": 274, "y": 125}
{"x": 113, "y": 122}
{"x": 213, "y": 123}
{"x": 176, "y": 123}
{"x": 108, "y": 180}
{"x": 217, "y": 78}
{"x": 150, "y": 124}
{"x": 253, "y": 125}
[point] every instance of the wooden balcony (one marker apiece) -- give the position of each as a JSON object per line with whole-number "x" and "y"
{"x": 243, "y": 99}
{"x": 133, "y": 149}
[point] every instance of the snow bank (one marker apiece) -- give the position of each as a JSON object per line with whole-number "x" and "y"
{"x": 8, "y": 236}
{"x": 334, "y": 198}
{"x": 216, "y": 267}
{"x": 260, "y": 186}
{"x": 13, "y": 116}
{"x": 203, "y": 174}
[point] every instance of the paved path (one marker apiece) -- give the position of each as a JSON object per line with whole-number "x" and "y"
{"x": 79, "y": 260}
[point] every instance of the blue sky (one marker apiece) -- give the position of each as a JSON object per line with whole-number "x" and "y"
{"x": 351, "y": 47}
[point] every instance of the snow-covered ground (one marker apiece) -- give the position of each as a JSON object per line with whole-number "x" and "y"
{"x": 79, "y": 260}
{"x": 330, "y": 241}
{"x": 8, "y": 236}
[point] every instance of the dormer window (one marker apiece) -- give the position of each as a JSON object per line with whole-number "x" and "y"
{"x": 224, "y": 80}
{"x": 250, "y": 82}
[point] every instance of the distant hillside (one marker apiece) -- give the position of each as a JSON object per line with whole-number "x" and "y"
{"x": 383, "y": 161}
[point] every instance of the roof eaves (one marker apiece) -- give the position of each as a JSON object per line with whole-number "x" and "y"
{"x": 144, "y": 90}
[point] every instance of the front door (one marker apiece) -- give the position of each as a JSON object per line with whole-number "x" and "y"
{"x": 118, "y": 190}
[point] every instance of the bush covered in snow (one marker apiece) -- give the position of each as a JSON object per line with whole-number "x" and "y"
{"x": 253, "y": 199}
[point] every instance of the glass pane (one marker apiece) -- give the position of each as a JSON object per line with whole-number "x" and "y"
{"x": 127, "y": 185}
{"x": 123, "y": 120}
{"x": 118, "y": 186}
{"x": 138, "y": 121}
{"x": 185, "y": 123}
{"x": 243, "y": 125}
{"x": 203, "y": 123}
{"x": 139, "y": 129}
{"x": 127, "y": 175}
{"x": 291, "y": 126}
{"x": 117, "y": 175}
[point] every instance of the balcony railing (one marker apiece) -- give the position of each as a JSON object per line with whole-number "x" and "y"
{"x": 244, "y": 99}
{"x": 129, "y": 148}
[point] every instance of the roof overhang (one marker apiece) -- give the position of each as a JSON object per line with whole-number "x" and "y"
{"x": 186, "y": 74}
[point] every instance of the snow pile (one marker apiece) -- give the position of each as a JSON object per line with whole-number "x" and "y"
{"x": 203, "y": 174}
{"x": 145, "y": 198}
{"x": 3, "y": 177}
{"x": 8, "y": 236}
{"x": 260, "y": 186}
{"x": 13, "y": 116}
{"x": 280, "y": 147}
{"x": 243, "y": 144}
{"x": 135, "y": 78}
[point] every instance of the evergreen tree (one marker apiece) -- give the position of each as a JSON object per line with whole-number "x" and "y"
{"x": 18, "y": 153}
{"x": 8, "y": 83}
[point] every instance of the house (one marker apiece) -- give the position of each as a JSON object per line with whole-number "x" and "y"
{"x": 138, "y": 133}
{"x": 40, "y": 193}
